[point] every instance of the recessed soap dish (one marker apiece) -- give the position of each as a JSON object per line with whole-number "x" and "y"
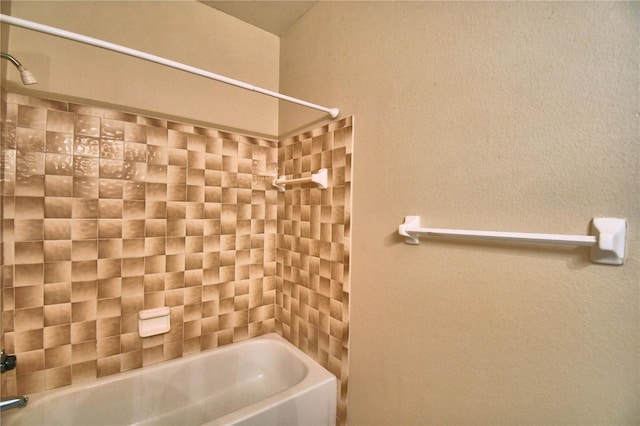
{"x": 152, "y": 322}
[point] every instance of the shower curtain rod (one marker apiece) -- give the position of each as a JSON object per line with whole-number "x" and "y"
{"x": 18, "y": 22}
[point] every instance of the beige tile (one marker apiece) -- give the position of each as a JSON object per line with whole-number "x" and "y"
{"x": 176, "y": 211}
{"x": 134, "y": 171}
{"x": 176, "y": 139}
{"x": 85, "y": 208}
{"x": 85, "y": 186}
{"x": 57, "y": 272}
{"x": 108, "y": 327}
{"x": 58, "y": 356}
{"x": 154, "y": 283}
{"x": 84, "y": 371}
{"x": 29, "y": 252}
{"x": 110, "y": 228}
{"x": 172, "y": 281}
{"x": 194, "y": 278}
{"x": 108, "y": 365}
{"x": 136, "y": 285}
{"x": 28, "y": 275}
{"x": 109, "y": 268}
{"x": 29, "y": 207}
{"x": 33, "y": 117}
{"x": 110, "y": 209}
{"x": 108, "y": 308}
{"x": 84, "y": 311}
{"x": 84, "y": 270}
{"x": 177, "y": 169}
{"x": 110, "y": 248}
{"x": 157, "y": 133}
{"x": 111, "y": 149}
{"x": 176, "y": 192}
{"x": 57, "y": 229}
{"x": 58, "y": 292}
{"x": 175, "y": 263}
{"x": 56, "y": 314}
{"x": 111, "y": 169}
{"x": 156, "y": 173}
{"x": 132, "y": 229}
{"x": 110, "y": 188}
{"x": 29, "y": 319}
{"x": 57, "y": 207}
{"x": 60, "y": 121}
{"x": 82, "y": 332}
{"x": 133, "y": 190}
{"x": 157, "y": 155}
{"x": 133, "y": 247}
{"x": 83, "y": 291}
{"x": 31, "y": 383}
{"x": 58, "y": 377}
{"x": 135, "y": 133}
{"x": 84, "y": 249}
{"x": 133, "y": 209}
{"x": 30, "y": 140}
{"x": 29, "y": 340}
{"x": 132, "y": 267}
{"x": 58, "y": 186}
{"x": 58, "y": 164}
{"x": 87, "y": 125}
{"x": 136, "y": 152}
{"x": 129, "y": 327}
{"x": 132, "y": 304}
{"x": 153, "y": 300}
{"x": 156, "y": 210}
{"x": 155, "y": 228}
{"x": 86, "y": 146}
{"x": 109, "y": 288}
{"x": 131, "y": 360}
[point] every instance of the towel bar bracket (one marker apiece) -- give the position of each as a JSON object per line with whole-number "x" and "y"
{"x": 611, "y": 234}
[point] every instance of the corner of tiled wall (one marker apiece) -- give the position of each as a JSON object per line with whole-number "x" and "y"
{"x": 314, "y": 243}
{"x": 7, "y": 380}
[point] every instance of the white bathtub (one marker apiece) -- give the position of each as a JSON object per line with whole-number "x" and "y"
{"x": 261, "y": 381}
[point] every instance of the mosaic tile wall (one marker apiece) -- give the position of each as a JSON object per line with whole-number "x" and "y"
{"x": 314, "y": 234}
{"x": 107, "y": 213}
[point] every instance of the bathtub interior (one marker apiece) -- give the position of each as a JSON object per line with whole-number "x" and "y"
{"x": 192, "y": 390}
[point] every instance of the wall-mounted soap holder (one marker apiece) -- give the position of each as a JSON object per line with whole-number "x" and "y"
{"x": 152, "y": 322}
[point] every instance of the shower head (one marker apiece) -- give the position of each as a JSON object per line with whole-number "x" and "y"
{"x": 26, "y": 75}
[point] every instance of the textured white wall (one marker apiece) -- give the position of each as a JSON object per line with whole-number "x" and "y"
{"x": 496, "y": 116}
{"x": 184, "y": 31}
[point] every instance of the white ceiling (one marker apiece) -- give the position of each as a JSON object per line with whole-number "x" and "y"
{"x": 272, "y": 16}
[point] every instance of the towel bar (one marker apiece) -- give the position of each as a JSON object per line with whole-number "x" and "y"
{"x": 320, "y": 178}
{"x": 607, "y": 244}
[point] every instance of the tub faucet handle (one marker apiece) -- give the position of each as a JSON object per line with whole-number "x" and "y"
{"x": 7, "y": 362}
